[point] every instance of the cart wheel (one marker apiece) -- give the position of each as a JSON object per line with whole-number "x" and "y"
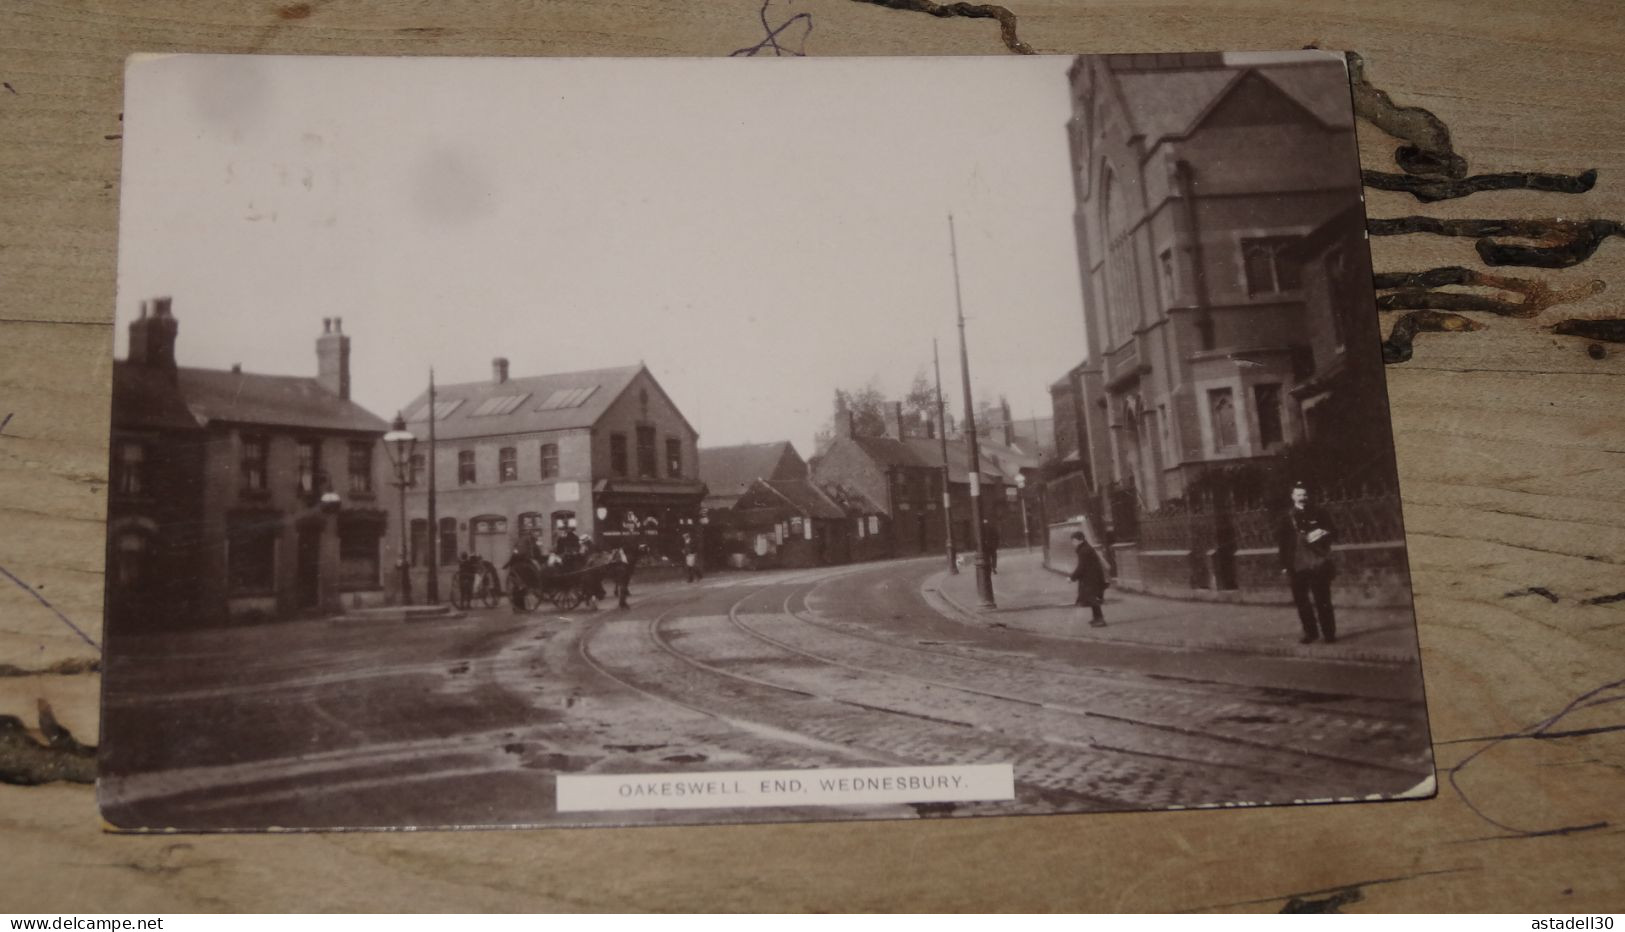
{"x": 564, "y": 599}
{"x": 490, "y": 592}
{"x": 525, "y": 600}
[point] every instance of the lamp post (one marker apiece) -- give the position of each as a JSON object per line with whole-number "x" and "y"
{"x": 400, "y": 443}
{"x": 1021, "y": 496}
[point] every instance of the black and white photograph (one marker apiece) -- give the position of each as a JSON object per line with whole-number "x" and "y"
{"x": 571, "y": 442}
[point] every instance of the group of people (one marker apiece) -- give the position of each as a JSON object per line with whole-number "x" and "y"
{"x": 1304, "y": 537}
{"x": 572, "y": 552}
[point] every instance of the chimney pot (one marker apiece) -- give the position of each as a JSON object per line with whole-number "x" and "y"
{"x": 499, "y": 369}
{"x": 333, "y": 359}
{"x": 894, "y": 420}
{"x": 152, "y": 337}
{"x": 338, "y": 325}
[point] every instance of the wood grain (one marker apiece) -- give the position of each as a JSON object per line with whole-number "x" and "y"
{"x": 1511, "y": 446}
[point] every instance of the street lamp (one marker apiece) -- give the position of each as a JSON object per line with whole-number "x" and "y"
{"x": 1021, "y": 495}
{"x": 400, "y": 443}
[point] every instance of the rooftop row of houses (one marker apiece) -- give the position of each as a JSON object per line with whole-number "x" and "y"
{"x": 239, "y": 494}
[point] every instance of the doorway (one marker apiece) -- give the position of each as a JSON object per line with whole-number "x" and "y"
{"x": 308, "y": 565}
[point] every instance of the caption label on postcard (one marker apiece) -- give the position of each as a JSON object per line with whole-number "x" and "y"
{"x": 743, "y": 789}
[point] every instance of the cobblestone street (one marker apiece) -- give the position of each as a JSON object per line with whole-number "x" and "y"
{"x": 466, "y": 720}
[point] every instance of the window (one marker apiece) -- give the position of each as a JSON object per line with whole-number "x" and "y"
{"x": 1267, "y": 399}
{"x": 442, "y": 410}
{"x": 1165, "y": 262}
{"x": 567, "y": 398}
{"x": 498, "y": 405}
{"x": 360, "y": 467}
{"x": 617, "y": 454}
{"x": 533, "y": 526}
{"x": 550, "y": 460}
{"x": 507, "y": 464}
{"x": 420, "y": 468}
{"x": 1269, "y": 270}
{"x": 674, "y": 457}
{"x": 251, "y": 557}
{"x": 465, "y": 467}
{"x": 358, "y": 556}
{"x": 420, "y": 542}
{"x": 1344, "y": 295}
{"x": 129, "y": 472}
{"x": 131, "y": 553}
{"x": 1221, "y": 407}
{"x": 448, "y": 542}
{"x": 488, "y": 536}
{"x": 256, "y": 450}
{"x": 646, "y": 450}
{"x": 562, "y": 521}
{"x": 310, "y": 466}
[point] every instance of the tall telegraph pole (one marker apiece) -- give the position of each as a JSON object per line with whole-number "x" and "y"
{"x": 942, "y": 431}
{"x": 432, "y": 593}
{"x": 984, "y": 573}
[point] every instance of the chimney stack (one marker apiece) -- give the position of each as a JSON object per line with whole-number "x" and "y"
{"x": 333, "y": 358}
{"x": 152, "y": 336}
{"x": 843, "y": 418}
{"x": 894, "y": 420}
{"x": 499, "y": 370}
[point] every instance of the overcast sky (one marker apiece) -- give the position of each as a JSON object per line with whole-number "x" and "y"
{"x": 758, "y": 232}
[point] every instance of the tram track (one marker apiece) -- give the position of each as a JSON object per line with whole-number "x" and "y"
{"x": 959, "y": 684}
{"x": 831, "y": 716}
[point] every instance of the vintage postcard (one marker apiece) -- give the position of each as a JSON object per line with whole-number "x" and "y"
{"x": 575, "y": 442}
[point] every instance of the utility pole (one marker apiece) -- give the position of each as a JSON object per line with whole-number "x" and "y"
{"x": 942, "y": 431}
{"x": 432, "y": 593}
{"x": 984, "y": 573}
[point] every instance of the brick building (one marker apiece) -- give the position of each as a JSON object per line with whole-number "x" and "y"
{"x": 604, "y": 452}
{"x": 763, "y": 510}
{"x": 236, "y": 494}
{"x": 1194, "y": 178}
{"x": 1230, "y": 331}
{"x": 901, "y": 476}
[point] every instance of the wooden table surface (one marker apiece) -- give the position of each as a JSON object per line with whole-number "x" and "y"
{"x": 1511, "y": 445}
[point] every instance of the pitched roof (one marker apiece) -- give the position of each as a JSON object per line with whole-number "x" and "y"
{"x": 147, "y": 398}
{"x": 921, "y": 452}
{"x": 804, "y": 497}
{"x": 851, "y": 501}
{"x": 728, "y": 471}
{"x": 558, "y": 401}
{"x": 1008, "y": 460}
{"x": 271, "y": 400}
{"x": 1172, "y": 103}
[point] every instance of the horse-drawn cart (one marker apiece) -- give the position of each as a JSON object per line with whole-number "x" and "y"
{"x": 530, "y": 584}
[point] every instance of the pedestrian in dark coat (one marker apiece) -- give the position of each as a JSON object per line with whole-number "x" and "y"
{"x": 990, "y": 545}
{"x": 1304, "y": 537}
{"x": 1090, "y": 575}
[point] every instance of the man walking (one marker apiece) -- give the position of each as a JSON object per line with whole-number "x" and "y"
{"x": 1304, "y": 537}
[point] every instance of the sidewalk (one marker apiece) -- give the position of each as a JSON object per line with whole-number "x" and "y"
{"x": 1037, "y": 600}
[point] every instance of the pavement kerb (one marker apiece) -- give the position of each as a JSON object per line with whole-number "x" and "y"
{"x": 932, "y": 586}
